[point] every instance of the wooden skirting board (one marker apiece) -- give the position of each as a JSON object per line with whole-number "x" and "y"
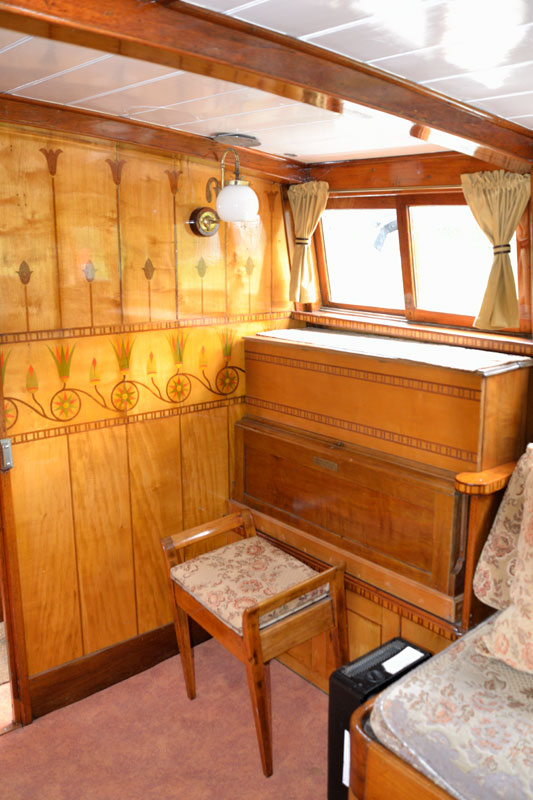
{"x": 71, "y": 682}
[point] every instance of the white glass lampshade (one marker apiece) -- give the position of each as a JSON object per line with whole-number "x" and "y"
{"x": 237, "y": 202}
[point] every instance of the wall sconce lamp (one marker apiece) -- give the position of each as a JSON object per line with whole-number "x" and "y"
{"x": 236, "y": 200}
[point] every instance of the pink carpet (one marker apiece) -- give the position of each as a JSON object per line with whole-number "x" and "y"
{"x": 142, "y": 739}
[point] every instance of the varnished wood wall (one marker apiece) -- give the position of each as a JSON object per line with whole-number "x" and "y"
{"x": 123, "y": 372}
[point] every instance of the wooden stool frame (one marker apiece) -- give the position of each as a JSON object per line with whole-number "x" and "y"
{"x": 256, "y": 647}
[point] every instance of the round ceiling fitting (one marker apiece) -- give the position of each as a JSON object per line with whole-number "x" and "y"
{"x": 236, "y": 139}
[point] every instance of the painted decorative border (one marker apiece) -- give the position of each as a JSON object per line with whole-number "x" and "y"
{"x": 373, "y": 377}
{"x": 64, "y": 430}
{"x": 366, "y": 430}
{"x": 113, "y": 330}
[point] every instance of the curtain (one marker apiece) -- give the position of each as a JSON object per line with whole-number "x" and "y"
{"x": 308, "y": 201}
{"x": 498, "y": 200}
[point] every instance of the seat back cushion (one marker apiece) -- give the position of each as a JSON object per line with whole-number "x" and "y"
{"x": 497, "y": 564}
{"x": 511, "y": 638}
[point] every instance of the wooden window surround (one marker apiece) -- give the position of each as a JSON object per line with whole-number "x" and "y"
{"x": 412, "y": 312}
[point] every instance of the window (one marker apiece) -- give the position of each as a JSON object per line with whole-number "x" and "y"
{"x": 421, "y": 256}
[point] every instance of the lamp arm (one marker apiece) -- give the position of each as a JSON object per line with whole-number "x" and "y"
{"x": 222, "y": 164}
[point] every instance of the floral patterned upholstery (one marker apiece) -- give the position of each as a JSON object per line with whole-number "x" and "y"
{"x": 464, "y": 720}
{"x": 496, "y": 566}
{"x": 230, "y": 579}
{"x": 511, "y": 638}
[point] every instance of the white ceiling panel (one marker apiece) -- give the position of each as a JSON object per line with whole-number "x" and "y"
{"x": 476, "y": 51}
{"x": 177, "y": 87}
{"x": 36, "y": 59}
{"x": 475, "y": 86}
{"x": 248, "y": 122}
{"x": 107, "y": 74}
{"x": 364, "y": 41}
{"x": 508, "y": 105}
{"x": 342, "y": 135}
{"x": 237, "y": 106}
{"x": 9, "y": 38}
{"x": 299, "y": 19}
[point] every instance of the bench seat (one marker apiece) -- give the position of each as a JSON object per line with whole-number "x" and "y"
{"x": 465, "y": 721}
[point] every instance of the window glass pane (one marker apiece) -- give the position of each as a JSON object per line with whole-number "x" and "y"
{"x": 452, "y": 259}
{"x": 363, "y": 257}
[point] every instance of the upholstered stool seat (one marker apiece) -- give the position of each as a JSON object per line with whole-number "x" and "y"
{"x": 233, "y": 578}
{"x": 255, "y": 599}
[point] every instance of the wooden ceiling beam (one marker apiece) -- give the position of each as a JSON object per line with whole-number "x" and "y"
{"x": 47, "y": 116}
{"x": 188, "y": 38}
{"x": 419, "y": 172}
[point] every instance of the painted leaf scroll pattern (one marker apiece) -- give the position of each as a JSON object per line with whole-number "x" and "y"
{"x": 10, "y": 409}
{"x": 121, "y": 397}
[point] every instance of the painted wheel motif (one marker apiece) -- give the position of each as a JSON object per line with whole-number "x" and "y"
{"x": 178, "y": 388}
{"x": 10, "y": 413}
{"x": 65, "y": 404}
{"x": 125, "y": 396}
{"x": 227, "y": 380}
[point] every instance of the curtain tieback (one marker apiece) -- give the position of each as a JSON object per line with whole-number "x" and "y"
{"x": 501, "y": 248}
{"x": 301, "y": 240}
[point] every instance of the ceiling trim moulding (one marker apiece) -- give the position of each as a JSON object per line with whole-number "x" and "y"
{"x": 195, "y": 40}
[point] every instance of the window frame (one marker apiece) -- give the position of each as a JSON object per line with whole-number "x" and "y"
{"x": 402, "y": 201}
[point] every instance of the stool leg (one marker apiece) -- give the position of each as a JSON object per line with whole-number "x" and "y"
{"x": 258, "y": 675}
{"x": 181, "y": 625}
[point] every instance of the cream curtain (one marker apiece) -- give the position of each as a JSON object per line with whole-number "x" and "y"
{"x": 497, "y": 200}
{"x": 308, "y": 201}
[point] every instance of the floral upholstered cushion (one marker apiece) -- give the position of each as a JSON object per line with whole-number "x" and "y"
{"x": 465, "y": 721}
{"x": 496, "y": 566}
{"x": 511, "y": 637}
{"x": 232, "y": 578}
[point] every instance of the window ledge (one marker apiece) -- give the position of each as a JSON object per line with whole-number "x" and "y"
{"x": 398, "y": 327}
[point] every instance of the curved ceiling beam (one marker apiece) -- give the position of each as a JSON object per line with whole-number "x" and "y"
{"x": 185, "y": 37}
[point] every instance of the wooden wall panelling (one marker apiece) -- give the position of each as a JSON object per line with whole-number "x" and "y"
{"x": 155, "y": 485}
{"x": 100, "y": 493}
{"x": 423, "y": 637}
{"x": 390, "y": 625}
{"x": 364, "y": 624}
{"x": 248, "y": 258}
{"x": 235, "y": 413}
{"x": 87, "y": 234}
{"x": 277, "y": 235}
{"x": 28, "y": 258}
{"x": 204, "y": 447}
{"x": 201, "y": 266}
{"x": 47, "y": 554}
{"x": 147, "y": 236}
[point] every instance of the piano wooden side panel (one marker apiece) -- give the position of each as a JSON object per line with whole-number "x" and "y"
{"x": 350, "y": 458}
